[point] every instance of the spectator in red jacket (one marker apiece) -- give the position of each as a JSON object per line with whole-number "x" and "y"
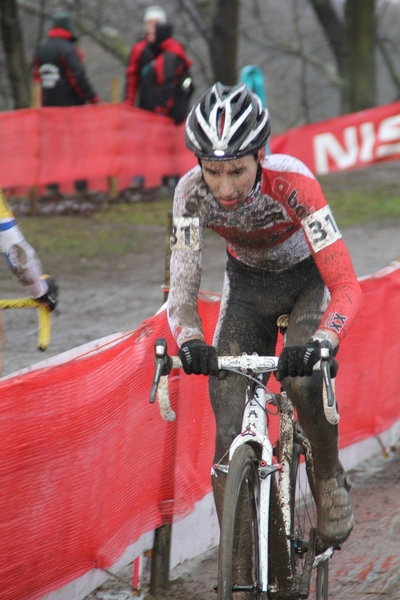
{"x": 157, "y": 76}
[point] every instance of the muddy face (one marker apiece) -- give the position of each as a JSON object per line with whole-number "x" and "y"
{"x": 230, "y": 181}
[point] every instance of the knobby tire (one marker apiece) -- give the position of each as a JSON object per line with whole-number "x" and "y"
{"x": 241, "y": 497}
{"x": 303, "y": 519}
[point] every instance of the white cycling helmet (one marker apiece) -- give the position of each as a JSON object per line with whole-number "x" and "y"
{"x": 227, "y": 123}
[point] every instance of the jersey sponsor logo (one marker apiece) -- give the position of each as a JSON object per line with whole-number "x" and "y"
{"x": 186, "y": 234}
{"x": 336, "y": 321}
{"x": 321, "y": 229}
{"x": 281, "y": 187}
{"x": 49, "y": 75}
{"x": 294, "y": 204}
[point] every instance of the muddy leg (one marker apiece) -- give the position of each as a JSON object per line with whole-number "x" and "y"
{"x": 335, "y": 512}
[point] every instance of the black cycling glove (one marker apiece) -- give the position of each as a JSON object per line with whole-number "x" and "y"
{"x": 298, "y": 361}
{"x": 198, "y": 358}
{"x": 50, "y": 298}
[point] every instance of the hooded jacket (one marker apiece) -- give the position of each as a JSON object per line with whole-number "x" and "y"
{"x": 59, "y": 68}
{"x": 155, "y": 72}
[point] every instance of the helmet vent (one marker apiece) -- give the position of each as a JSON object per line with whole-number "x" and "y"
{"x": 221, "y": 123}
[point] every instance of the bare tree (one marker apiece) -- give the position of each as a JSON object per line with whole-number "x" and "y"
{"x": 352, "y": 40}
{"x": 359, "y": 91}
{"x": 14, "y": 51}
{"x": 224, "y": 44}
{"x": 333, "y": 26}
{"x": 216, "y": 21}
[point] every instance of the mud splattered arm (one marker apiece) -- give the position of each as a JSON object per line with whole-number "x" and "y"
{"x": 20, "y": 256}
{"x": 305, "y": 202}
{"x": 185, "y": 271}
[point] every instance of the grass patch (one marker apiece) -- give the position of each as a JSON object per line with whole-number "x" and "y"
{"x": 140, "y": 213}
{"x": 116, "y": 230}
{"x": 359, "y": 206}
{"x": 123, "y": 229}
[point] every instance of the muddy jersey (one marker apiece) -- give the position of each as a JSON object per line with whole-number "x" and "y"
{"x": 284, "y": 220}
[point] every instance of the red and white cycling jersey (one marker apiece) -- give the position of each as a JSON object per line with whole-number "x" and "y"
{"x": 284, "y": 221}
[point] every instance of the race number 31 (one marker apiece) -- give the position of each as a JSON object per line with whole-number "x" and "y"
{"x": 185, "y": 234}
{"x": 321, "y": 229}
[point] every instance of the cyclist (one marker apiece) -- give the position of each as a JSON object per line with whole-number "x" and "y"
{"x": 285, "y": 256}
{"x": 23, "y": 264}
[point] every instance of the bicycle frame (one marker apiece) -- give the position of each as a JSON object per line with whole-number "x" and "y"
{"x": 255, "y": 433}
{"x": 44, "y": 318}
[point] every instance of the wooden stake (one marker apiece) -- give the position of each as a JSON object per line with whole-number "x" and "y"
{"x": 163, "y": 535}
{"x": 160, "y": 560}
{"x": 114, "y": 90}
{"x": 36, "y": 102}
{"x": 113, "y": 180}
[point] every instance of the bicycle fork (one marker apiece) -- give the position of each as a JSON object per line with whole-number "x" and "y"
{"x": 255, "y": 433}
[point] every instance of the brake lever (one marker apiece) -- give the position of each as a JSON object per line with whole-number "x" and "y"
{"x": 162, "y": 360}
{"x": 326, "y": 372}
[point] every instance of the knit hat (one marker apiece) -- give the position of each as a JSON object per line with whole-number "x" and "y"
{"x": 62, "y": 20}
{"x": 155, "y": 13}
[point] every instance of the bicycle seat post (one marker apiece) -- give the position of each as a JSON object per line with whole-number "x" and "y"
{"x": 283, "y": 323}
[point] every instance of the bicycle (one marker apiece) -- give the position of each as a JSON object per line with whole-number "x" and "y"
{"x": 268, "y": 484}
{"x": 44, "y": 318}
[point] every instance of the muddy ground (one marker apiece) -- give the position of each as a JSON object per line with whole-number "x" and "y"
{"x": 101, "y": 297}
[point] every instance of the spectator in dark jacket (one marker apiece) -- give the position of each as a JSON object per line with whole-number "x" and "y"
{"x": 59, "y": 67}
{"x": 157, "y": 77}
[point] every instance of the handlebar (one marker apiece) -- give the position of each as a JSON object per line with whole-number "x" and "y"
{"x": 44, "y": 319}
{"x": 244, "y": 363}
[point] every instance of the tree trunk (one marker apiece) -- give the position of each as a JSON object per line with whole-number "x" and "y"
{"x": 352, "y": 41}
{"x": 360, "y": 89}
{"x": 333, "y": 26}
{"x": 224, "y": 46}
{"x": 14, "y": 51}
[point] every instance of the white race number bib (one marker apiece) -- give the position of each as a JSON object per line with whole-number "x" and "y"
{"x": 321, "y": 229}
{"x": 185, "y": 234}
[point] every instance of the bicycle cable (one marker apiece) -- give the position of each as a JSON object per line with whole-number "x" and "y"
{"x": 271, "y": 396}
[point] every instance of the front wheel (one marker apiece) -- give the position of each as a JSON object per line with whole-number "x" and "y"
{"x": 304, "y": 519}
{"x": 238, "y": 565}
{"x": 321, "y": 590}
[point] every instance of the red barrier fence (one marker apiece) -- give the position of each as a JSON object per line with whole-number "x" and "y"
{"x": 351, "y": 141}
{"x": 49, "y": 145}
{"x": 46, "y": 145}
{"x": 87, "y": 465}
